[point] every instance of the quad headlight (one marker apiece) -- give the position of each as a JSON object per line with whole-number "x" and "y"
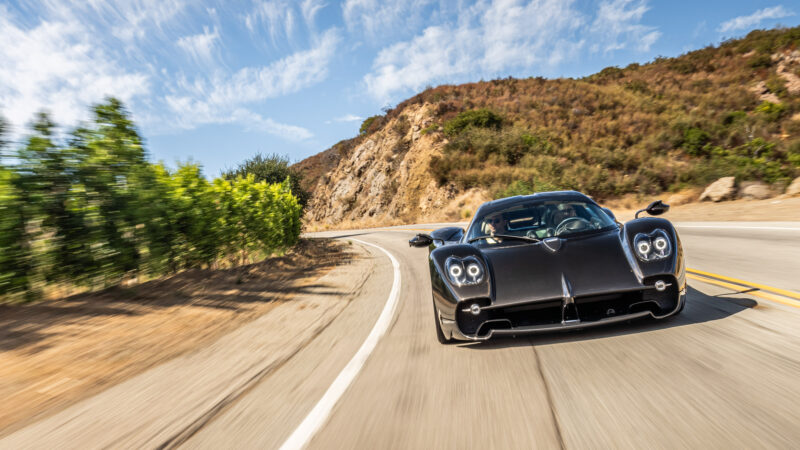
{"x": 653, "y": 246}
{"x": 464, "y": 271}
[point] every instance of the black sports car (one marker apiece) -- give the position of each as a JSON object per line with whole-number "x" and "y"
{"x": 552, "y": 261}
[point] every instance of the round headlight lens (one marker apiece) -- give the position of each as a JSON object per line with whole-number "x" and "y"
{"x": 653, "y": 246}
{"x": 464, "y": 272}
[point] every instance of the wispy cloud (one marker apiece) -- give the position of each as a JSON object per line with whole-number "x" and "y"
{"x": 310, "y": 9}
{"x": 618, "y": 26}
{"x": 376, "y": 19}
{"x": 346, "y": 118}
{"x": 277, "y": 17}
{"x": 200, "y": 47}
{"x": 254, "y": 121}
{"x": 752, "y": 20}
{"x": 492, "y": 38}
{"x": 488, "y": 39}
{"x": 125, "y": 19}
{"x": 219, "y": 99}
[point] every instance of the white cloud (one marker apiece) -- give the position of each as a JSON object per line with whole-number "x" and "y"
{"x": 488, "y": 39}
{"x": 128, "y": 20}
{"x": 200, "y": 47}
{"x": 348, "y": 118}
{"x": 277, "y": 16}
{"x": 252, "y": 84}
{"x": 310, "y": 8}
{"x": 254, "y": 121}
{"x": 617, "y": 26}
{"x": 58, "y": 66}
{"x": 376, "y": 19}
{"x": 744, "y": 22}
{"x": 491, "y": 38}
{"x": 219, "y": 99}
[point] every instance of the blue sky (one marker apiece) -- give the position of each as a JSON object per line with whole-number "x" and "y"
{"x": 218, "y": 81}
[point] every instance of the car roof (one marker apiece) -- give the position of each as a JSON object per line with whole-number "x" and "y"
{"x": 504, "y": 203}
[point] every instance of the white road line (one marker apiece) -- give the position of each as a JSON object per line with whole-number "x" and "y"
{"x": 319, "y": 415}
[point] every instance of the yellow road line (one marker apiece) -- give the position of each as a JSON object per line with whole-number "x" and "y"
{"x": 764, "y": 295}
{"x": 763, "y": 287}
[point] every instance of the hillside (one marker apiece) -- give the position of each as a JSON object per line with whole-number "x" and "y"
{"x": 673, "y": 123}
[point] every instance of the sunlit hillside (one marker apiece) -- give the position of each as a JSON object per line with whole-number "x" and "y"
{"x": 732, "y": 109}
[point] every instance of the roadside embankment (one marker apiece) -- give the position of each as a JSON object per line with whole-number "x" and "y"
{"x": 56, "y": 353}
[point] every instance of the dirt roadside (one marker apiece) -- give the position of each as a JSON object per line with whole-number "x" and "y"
{"x": 54, "y": 353}
{"x": 786, "y": 209}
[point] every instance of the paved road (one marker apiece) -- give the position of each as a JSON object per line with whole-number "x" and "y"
{"x": 723, "y": 374}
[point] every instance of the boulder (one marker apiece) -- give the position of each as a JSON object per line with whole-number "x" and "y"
{"x": 755, "y": 191}
{"x": 794, "y": 188}
{"x": 722, "y": 189}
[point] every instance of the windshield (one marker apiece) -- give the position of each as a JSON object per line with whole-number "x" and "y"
{"x": 539, "y": 220}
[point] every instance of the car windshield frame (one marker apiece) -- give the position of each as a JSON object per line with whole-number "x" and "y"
{"x": 535, "y": 219}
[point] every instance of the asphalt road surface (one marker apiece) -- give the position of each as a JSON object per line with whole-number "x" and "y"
{"x": 723, "y": 374}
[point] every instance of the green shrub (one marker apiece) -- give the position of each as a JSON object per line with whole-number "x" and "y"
{"x": 94, "y": 212}
{"x": 271, "y": 169}
{"x": 733, "y": 117}
{"x": 772, "y": 112}
{"x": 368, "y": 125}
{"x": 429, "y": 129}
{"x": 682, "y": 66}
{"x": 760, "y": 61}
{"x": 478, "y": 118}
{"x": 639, "y": 86}
{"x": 695, "y": 140}
{"x": 777, "y": 85}
{"x": 518, "y": 187}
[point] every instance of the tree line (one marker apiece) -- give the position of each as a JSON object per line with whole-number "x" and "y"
{"x": 91, "y": 210}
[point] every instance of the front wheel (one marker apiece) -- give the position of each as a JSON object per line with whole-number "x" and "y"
{"x": 439, "y": 333}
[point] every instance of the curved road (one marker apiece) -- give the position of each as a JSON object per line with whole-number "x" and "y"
{"x": 725, "y": 373}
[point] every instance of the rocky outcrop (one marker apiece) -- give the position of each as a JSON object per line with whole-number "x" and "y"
{"x": 755, "y": 191}
{"x": 787, "y": 64}
{"x": 722, "y": 189}
{"x": 385, "y": 179}
{"x": 794, "y": 188}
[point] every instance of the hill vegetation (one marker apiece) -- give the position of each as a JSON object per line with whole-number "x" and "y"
{"x": 731, "y": 109}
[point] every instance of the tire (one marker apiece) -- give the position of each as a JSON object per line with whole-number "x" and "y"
{"x": 439, "y": 333}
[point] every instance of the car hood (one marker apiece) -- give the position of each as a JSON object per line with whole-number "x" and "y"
{"x": 587, "y": 265}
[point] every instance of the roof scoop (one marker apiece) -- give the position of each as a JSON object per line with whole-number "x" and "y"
{"x": 553, "y": 244}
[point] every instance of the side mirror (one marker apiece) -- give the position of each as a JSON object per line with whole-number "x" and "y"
{"x": 654, "y": 209}
{"x": 420, "y": 240}
{"x": 610, "y": 214}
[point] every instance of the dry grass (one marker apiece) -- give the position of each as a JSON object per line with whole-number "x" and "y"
{"x": 665, "y": 128}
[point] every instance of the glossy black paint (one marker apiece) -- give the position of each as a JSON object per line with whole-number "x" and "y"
{"x": 654, "y": 209}
{"x": 590, "y": 271}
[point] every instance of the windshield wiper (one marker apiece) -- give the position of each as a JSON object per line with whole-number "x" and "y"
{"x": 504, "y": 236}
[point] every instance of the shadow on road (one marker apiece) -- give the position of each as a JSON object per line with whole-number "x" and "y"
{"x": 700, "y": 308}
{"x": 235, "y": 289}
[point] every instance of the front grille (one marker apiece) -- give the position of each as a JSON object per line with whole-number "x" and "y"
{"x": 587, "y": 309}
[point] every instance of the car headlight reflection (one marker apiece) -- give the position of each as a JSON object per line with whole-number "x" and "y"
{"x": 653, "y": 246}
{"x": 464, "y": 271}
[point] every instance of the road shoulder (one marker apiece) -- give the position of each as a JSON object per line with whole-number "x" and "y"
{"x": 165, "y": 404}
